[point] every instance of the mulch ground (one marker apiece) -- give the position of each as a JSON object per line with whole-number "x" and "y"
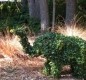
{"x": 29, "y": 69}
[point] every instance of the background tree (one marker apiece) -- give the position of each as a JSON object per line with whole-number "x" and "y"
{"x": 37, "y": 9}
{"x": 34, "y": 10}
{"x": 70, "y": 11}
{"x": 53, "y": 16}
{"x": 18, "y": 14}
{"x": 44, "y": 15}
{"x": 31, "y": 4}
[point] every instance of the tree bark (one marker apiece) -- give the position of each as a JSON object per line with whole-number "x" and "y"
{"x": 70, "y": 11}
{"x": 31, "y": 4}
{"x": 53, "y": 16}
{"x": 44, "y": 15}
{"x": 37, "y": 9}
{"x": 34, "y": 9}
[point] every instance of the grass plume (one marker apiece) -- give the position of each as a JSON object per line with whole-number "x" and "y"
{"x": 10, "y": 46}
{"x": 73, "y": 30}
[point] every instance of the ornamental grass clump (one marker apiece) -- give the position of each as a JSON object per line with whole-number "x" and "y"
{"x": 62, "y": 50}
{"x": 10, "y": 46}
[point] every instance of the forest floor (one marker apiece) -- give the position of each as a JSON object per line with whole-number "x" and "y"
{"x": 27, "y": 69}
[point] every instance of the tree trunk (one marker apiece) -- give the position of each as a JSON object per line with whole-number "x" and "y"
{"x": 70, "y": 12}
{"x": 44, "y": 15}
{"x": 34, "y": 9}
{"x": 37, "y": 9}
{"x": 31, "y": 4}
{"x": 53, "y": 16}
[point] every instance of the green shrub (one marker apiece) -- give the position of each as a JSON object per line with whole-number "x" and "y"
{"x": 62, "y": 50}
{"x": 12, "y": 15}
{"x": 22, "y": 33}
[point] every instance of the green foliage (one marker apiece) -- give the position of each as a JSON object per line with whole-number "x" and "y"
{"x": 81, "y": 10}
{"x": 22, "y": 33}
{"x": 19, "y": 20}
{"x": 11, "y": 15}
{"x": 62, "y": 50}
{"x": 9, "y": 9}
{"x": 34, "y": 25}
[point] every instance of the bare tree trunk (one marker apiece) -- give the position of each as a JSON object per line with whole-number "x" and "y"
{"x": 44, "y": 15}
{"x": 53, "y": 16}
{"x": 31, "y": 4}
{"x": 70, "y": 11}
{"x": 37, "y": 9}
{"x": 34, "y": 9}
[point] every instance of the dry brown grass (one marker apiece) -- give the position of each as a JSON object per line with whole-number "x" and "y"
{"x": 73, "y": 30}
{"x": 10, "y": 46}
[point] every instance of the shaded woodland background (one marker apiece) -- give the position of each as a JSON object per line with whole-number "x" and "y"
{"x": 39, "y": 15}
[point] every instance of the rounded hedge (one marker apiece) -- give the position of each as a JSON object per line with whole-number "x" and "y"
{"x": 62, "y": 50}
